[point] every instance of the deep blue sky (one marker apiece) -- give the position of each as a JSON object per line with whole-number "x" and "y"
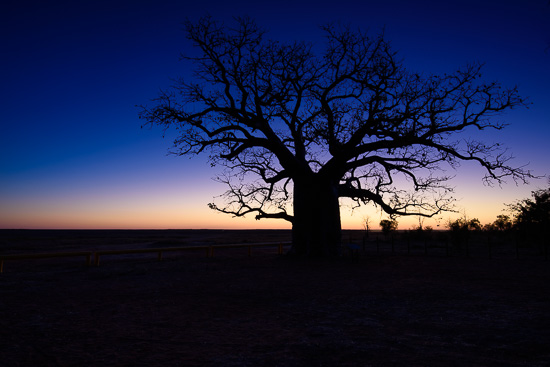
{"x": 72, "y": 154}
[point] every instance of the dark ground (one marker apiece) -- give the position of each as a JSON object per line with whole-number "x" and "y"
{"x": 388, "y": 309}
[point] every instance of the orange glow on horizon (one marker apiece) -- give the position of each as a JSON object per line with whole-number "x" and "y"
{"x": 204, "y": 218}
{"x": 170, "y": 207}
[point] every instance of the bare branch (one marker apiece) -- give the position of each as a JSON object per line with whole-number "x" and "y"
{"x": 352, "y": 120}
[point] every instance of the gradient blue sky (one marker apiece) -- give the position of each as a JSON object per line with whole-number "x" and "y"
{"x": 72, "y": 154}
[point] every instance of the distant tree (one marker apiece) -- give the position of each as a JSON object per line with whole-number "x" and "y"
{"x": 474, "y": 224}
{"x": 459, "y": 229}
{"x": 421, "y": 232}
{"x": 297, "y": 131}
{"x": 388, "y": 226}
{"x": 420, "y": 226}
{"x": 532, "y": 216}
{"x": 366, "y": 225}
{"x": 464, "y": 224}
{"x": 502, "y": 223}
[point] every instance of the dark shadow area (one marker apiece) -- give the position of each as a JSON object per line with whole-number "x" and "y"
{"x": 388, "y": 308}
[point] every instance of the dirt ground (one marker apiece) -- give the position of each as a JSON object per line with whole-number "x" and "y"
{"x": 387, "y": 309}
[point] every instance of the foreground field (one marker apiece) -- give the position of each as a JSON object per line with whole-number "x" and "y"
{"x": 268, "y": 310}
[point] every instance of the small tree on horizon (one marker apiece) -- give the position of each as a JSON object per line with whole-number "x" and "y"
{"x": 502, "y": 223}
{"x": 460, "y": 229}
{"x": 298, "y": 129}
{"x": 532, "y": 216}
{"x": 366, "y": 225}
{"x": 388, "y": 226}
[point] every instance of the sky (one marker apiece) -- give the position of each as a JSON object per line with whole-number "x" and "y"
{"x": 72, "y": 150}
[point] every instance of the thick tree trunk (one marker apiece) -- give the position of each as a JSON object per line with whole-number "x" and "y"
{"x": 316, "y": 230}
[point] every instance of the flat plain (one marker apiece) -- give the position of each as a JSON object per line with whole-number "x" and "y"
{"x": 395, "y": 305}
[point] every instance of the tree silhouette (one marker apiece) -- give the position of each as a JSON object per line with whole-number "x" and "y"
{"x": 388, "y": 226}
{"x": 532, "y": 216}
{"x": 297, "y": 129}
{"x": 502, "y": 223}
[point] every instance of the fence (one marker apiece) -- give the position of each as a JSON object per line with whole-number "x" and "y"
{"x": 4, "y": 258}
{"x": 480, "y": 245}
{"x": 159, "y": 251}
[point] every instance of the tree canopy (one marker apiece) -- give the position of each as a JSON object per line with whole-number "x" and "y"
{"x": 293, "y": 125}
{"x": 533, "y": 215}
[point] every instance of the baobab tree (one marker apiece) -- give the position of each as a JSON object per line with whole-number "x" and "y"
{"x": 297, "y": 129}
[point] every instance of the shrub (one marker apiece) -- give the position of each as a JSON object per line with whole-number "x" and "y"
{"x": 460, "y": 228}
{"x": 532, "y": 216}
{"x": 388, "y": 225}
